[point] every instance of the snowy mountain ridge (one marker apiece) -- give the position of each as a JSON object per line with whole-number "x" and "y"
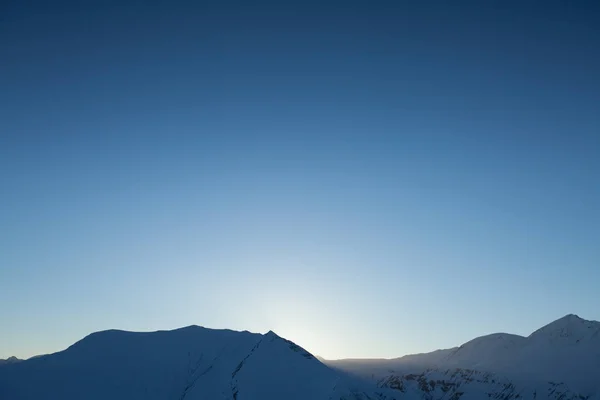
{"x": 560, "y": 360}
{"x": 190, "y": 363}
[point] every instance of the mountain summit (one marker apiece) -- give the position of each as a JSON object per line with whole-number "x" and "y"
{"x": 568, "y": 328}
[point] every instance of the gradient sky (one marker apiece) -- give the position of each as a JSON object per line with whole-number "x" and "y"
{"x": 368, "y": 179}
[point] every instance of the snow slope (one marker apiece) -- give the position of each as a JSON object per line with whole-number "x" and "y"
{"x": 465, "y": 384}
{"x": 185, "y": 364}
{"x": 300, "y": 375}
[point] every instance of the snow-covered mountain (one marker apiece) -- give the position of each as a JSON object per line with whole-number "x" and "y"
{"x": 560, "y": 360}
{"x": 184, "y": 364}
{"x": 566, "y": 350}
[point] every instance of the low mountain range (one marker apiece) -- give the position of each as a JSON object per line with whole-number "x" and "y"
{"x": 10, "y": 360}
{"x": 560, "y": 361}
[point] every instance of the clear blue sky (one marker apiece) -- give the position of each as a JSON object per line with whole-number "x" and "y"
{"x": 368, "y": 179}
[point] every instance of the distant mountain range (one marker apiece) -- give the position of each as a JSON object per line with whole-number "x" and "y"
{"x": 560, "y": 361}
{"x": 10, "y": 360}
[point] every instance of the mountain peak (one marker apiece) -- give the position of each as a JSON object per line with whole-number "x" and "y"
{"x": 570, "y": 326}
{"x": 567, "y": 320}
{"x": 570, "y": 318}
{"x": 273, "y": 337}
{"x": 10, "y": 360}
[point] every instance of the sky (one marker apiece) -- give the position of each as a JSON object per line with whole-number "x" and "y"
{"x": 367, "y": 179}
